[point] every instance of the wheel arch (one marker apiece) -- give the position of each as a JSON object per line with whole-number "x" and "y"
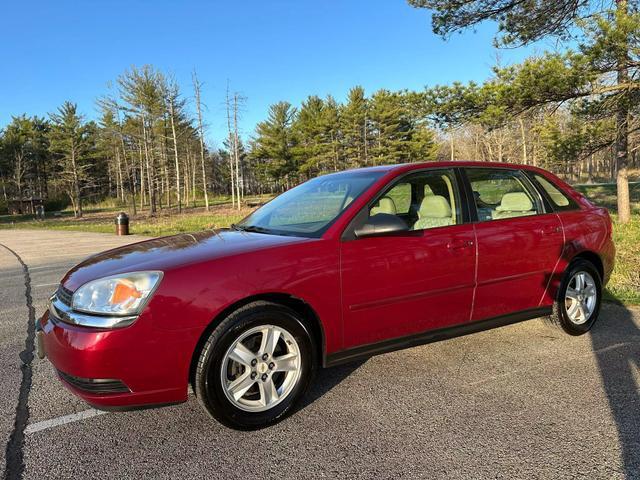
{"x": 593, "y": 258}
{"x": 298, "y": 305}
{"x": 553, "y": 287}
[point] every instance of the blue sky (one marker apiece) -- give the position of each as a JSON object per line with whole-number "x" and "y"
{"x": 274, "y": 50}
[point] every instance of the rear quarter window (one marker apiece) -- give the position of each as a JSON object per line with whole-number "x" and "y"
{"x": 559, "y": 200}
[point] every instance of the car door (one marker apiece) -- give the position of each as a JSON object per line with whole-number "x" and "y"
{"x": 398, "y": 285}
{"x": 520, "y": 241}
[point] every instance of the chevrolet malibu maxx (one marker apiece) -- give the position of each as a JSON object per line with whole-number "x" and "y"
{"x": 344, "y": 266}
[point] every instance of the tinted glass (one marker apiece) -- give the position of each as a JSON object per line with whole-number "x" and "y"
{"x": 309, "y": 208}
{"x": 500, "y": 193}
{"x": 559, "y": 200}
{"x": 423, "y": 200}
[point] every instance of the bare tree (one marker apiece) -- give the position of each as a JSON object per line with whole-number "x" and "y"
{"x": 236, "y": 149}
{"x": 232, "y": 141}
{"x": 172, "y": 99}
{"x": 196, "y": 88}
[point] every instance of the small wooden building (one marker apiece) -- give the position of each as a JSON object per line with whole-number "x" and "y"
{"x": 25, "y": 206}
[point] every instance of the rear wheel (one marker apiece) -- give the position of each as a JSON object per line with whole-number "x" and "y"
{"x": 255, "y": 366}
{"x": 577, "y": 306}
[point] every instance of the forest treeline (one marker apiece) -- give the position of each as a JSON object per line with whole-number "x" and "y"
{"x": 573, "y": 111}
{"x": 148, "y": 147}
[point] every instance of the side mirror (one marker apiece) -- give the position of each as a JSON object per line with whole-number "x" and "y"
{"x": 381, "y": 224}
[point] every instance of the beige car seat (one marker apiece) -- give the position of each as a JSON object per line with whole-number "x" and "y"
{"x": 384, "y": 205}
{"x": 514, "y": 204}
{"x": 434, "y": 211}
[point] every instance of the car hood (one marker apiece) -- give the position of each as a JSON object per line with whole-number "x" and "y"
{"x": 166, "y": 253}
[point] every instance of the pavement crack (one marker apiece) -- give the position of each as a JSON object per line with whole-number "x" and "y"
{"x": 14, "y": 466}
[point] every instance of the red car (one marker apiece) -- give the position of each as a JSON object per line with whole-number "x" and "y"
{"x": 344, "y": 266}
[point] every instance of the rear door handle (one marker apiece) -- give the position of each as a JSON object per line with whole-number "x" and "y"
{"x": 459, "y": 244}
{"x": 550, "y": 230}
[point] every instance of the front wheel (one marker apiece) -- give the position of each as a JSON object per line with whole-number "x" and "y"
{"x": 255, "y": 366}
{"x": 577, "y": 305}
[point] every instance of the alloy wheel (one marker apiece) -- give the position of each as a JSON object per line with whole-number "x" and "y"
{"x": 261, "y": 368}
{"x": 581, "y": 298}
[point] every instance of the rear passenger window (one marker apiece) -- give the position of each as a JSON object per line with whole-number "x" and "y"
{"x": 559, "y": 200}
{"x": 500, "y": 193}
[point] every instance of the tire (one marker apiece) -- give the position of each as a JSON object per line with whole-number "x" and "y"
{"x": 563, "y": 315}
{"x": 232, "y": 353}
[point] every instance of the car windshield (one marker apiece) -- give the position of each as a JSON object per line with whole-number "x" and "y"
{"x": 310, "y": 208}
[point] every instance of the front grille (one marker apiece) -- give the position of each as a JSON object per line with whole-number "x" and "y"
{"x": 64, "y": 295}
{"x": 95, "y": 385}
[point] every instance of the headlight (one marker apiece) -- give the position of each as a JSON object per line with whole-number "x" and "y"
{"x": 125, "y": 294}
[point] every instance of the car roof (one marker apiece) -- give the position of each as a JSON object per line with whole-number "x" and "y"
{"x": 458, "y": 163}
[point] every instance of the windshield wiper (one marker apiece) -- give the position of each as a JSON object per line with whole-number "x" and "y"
{"x": 250, "y": 228}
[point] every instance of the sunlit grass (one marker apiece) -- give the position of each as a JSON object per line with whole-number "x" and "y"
{"x": 164, "y": 223}
{"x": 624, "y": 285}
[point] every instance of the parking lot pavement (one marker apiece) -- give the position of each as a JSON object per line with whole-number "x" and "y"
{"x": 522, "y": 401}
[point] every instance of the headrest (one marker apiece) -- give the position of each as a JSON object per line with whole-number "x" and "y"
{"x": 515, "y": 202}
{"x": 384, "y": 205}
{"x": 434, "y": 206}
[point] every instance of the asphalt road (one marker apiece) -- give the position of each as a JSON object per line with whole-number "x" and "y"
{"x": 522, "y": 401}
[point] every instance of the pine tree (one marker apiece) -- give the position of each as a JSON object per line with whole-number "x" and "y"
{"x": 309, "y": 131}
{"x": 275, "y": 143}
{"x": 142, "y": 91}
{"x": 390, "y": 129}
{"x": 603, "y": 72}
{"x": 330, "y": 121}
{"x": 354, "y": 126}
{"x": 71, "y": 143}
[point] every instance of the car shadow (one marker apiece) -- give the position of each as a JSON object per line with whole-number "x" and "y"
{"x": 326, "y": 379}
{"x": 615, "y": 338}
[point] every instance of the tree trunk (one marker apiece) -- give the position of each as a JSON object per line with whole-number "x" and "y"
{"x": 150, "y": 175}
{"x": 143, "y": 187}
{"x": 129, "y": 168}
{"x": 453, "y": 154}
{"x": 175, "y": 154}
{"x": 231, "y": 150}
{"x": 4, "y": 189}
{"x": 622, "y": 132}
{"x": 236, "y": 147}
{"x": 76, "y": 184}
{"x": 120, "y": 176}
{"x": 196, "y": 87}
{"x": 365, "y": 141}
{"x": 524, "y": 142}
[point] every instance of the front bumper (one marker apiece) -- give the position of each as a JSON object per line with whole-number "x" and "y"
{"x": 120, "y": 368}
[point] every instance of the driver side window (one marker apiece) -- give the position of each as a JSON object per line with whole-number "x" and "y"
{"x": 423, "y": 200}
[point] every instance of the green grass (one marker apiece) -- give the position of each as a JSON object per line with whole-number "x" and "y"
{"x": 624, "y": 285}
{"x": 158, "y": 226}
{"x": 114, "y": 204}
{"x": 100, "y": 217}
{"x": 605, "y": 195}
{"x": 103, "y": 221}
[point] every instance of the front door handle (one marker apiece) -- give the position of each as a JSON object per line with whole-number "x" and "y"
{"x": 459, "y": 244}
